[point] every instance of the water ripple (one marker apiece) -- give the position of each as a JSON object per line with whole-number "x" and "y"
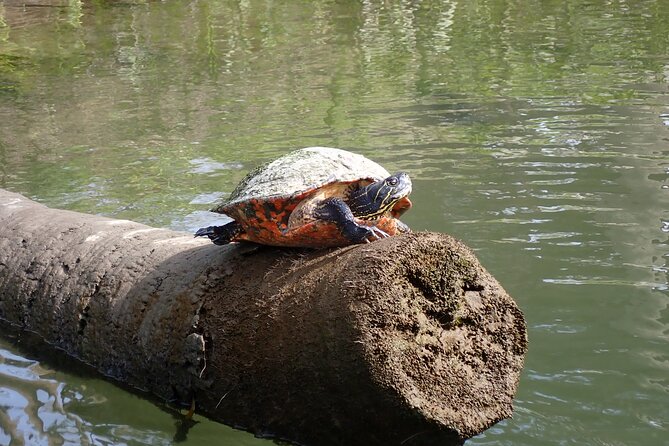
{"x": 208, "y": 165}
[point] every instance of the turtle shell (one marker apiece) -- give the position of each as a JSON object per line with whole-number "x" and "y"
{"x": 265, "y": 198}
{"x": 302, "y": 171}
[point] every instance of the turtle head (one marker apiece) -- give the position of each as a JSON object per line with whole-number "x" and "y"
{"x": 390, "y": 194}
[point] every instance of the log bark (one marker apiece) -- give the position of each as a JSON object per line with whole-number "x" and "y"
{"x": 407, "y": 340}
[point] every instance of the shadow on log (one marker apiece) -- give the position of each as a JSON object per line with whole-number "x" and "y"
{"x": 407, "y": 340}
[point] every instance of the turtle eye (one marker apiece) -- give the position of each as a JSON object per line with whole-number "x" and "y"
{"x": 392, "y": 181}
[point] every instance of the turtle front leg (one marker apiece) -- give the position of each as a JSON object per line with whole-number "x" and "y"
{"x": 221, "y": 235}
{"x": 338, "y": 212}
{"x": 402, "y": 227}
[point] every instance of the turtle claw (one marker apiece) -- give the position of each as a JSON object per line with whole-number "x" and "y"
{"x": 358, "y": 233}
{"x": 378, "y": 233}
{"x": 373, "y": 233}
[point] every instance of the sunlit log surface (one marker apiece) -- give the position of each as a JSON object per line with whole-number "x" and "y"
{"x": 407, "y": 340}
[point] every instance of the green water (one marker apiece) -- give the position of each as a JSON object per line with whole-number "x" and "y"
{"x": 535, "y": 131}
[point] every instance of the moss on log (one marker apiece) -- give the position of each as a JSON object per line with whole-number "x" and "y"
{"x": 407, "y": 340}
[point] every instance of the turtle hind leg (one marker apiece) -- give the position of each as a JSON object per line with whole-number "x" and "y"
{"x": 221, "y": 235}
{"x": 335, "y": 210}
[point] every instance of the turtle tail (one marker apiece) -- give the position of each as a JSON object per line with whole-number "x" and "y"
{"x": 221, "y": 235}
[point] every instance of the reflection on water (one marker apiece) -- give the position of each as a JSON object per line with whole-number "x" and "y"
{"x": 535, "y": 131}
{"x": 68, "y": 405}
{"x": 40, "y": 410}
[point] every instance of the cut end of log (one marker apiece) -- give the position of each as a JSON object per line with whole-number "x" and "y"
{"x": 442, "y": 333}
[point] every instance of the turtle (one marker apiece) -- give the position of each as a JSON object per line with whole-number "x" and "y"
{"x": 316, "y": 197}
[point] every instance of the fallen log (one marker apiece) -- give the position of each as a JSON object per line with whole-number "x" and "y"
{"x": 406, "y": 340}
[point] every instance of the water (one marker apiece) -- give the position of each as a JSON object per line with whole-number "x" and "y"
{"x": 536, "y": 132}
{"x": 58, "y": 402}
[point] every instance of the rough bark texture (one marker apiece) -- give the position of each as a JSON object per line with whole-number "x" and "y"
{"x": 407, "y": 340}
